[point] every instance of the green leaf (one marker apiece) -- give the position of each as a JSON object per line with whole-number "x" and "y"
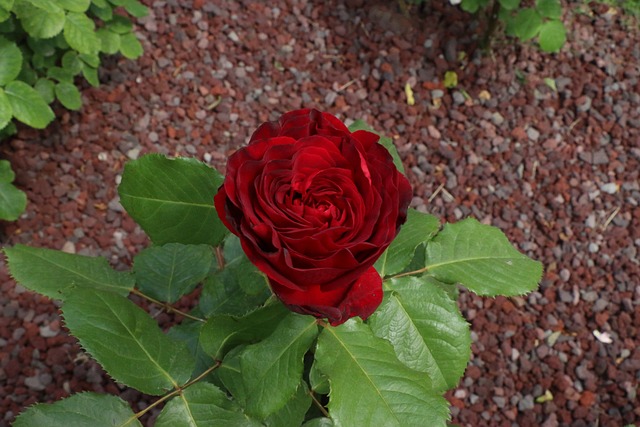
{"x": 100, "y": 3}
{"x": 109, "y": 41}
{"x": 5, "y": 16}
{"x": 188, "y": 331}
{"x": 172, "y": 199}
{"x": 119, "y": 24}
{"x": 527, "y": 24}
{"x": 6, "y": 4}
{"x": 68, "y": 95}
{"x": 552, "y": 36}
{"x": 418, "y": 229}
{"x": 370, "y": 386}
{"x": 74, "y": 5}
{"x": 272, "y": 368}
{"x": 6, "y": 112}
{"x": 426, "y": 329}
{"x": 470, "y": 6}
{"x": 93, "y": 60}
{"x": 509, "y": 4}
{"x": 80, "y": 410}
{"x": 10, "y": 62}
{"x": 60, "y": 74}
{"x": 230, "y": 375}
{"x": 319, "y": 422}
{"x": 105, "y": 13}
{"x": 223, "y": 332}
{"x": 45, "y": 47}
{"x": 294, "y": 411}
{"x": 135, "y": 8}
{"x": 168, "y": 272}
{"x": 28, "y": 106}
{"x": 318, "y": 381}
{"x": 42, "y": 20}
{"x": 203, "y": 405}
{"x": 291, "y": 414}
{"x": 12, "y": 201}
{"x": 52, "y": 273}
{"x": 47, "y": 5}
{"x": 6, "y": 173}
{"x": 551, "y": 9}
{"x": 79, "y": 33}
{"x": 130, "y": 46}
{"x": 236, "y": 289}
{"x": 71, "y": 62}
{"x": 481, "y": 258}
{"x": 91, "y": 75}
{"x": 384, "y": 141}
{"x": 8, "y": 23}
{"x": 126, "y": 341}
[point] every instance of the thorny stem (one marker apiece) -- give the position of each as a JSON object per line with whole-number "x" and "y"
{"x": 166, "y": 306}
{"x": 492, "y": 25}
{"x": 410, "y": 273}
{"x": 318, "y": 404}
{"x": 219, "y": 257}
{"x": 176, "y": 391}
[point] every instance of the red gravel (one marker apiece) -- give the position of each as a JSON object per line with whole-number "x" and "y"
{"x": 557, "y": 171}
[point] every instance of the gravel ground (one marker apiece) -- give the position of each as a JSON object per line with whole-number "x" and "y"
{"x": 556, "y": 170}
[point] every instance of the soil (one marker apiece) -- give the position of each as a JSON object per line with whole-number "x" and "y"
{"x": 556, "y": 168}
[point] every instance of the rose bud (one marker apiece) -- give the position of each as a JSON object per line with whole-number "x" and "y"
{"x": 314, "y": 206}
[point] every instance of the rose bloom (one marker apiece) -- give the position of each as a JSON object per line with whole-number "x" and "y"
{"x": 314, "y": 206}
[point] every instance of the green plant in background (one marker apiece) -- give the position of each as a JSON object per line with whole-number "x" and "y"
{"x": 44, "y": 45}
{"x": 542, "y": 21}
{"x": 12, "y": 200}
{"x": 525, "y": 23}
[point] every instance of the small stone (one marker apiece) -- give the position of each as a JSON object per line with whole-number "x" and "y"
{"x": 600, "y": 305}
{"x": 330, "y": 98}
{"x": 114, "y": 205}
{"x": 593, "y": 247}
{"x": 565, "y": 274}
{"x": 234, "y": 37}
{"x": 590, "y": 296}
{"x": 600, "y": 158}
{"x": 500, "y": 401}
{"x": 610, "y": 188}
{"x": 153, "y": 137}
{"x": 34, "y": 383}
{"x": 533, "y": 134}
{"x": 497, "y": 118}
{"x": 133, "y": 153}
{"x": 18, "y": 333}
{"x": 526, "y": 403}
{"x": 69, "y": 247}
{"x": 433, "y": 132}
{"x": 583, "y": 104}
{"x": 46, "y": 332}
{"x": 591, "y": 221}
{"x": 437, "y": 93}
{"x": 458, "y": 98}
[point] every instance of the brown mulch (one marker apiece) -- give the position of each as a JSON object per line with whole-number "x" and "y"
{"x": 556, "y": 170}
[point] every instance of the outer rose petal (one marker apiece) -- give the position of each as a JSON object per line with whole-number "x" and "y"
{"x": 362, "y": 299}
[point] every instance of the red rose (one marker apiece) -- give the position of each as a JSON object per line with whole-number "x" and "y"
{"x": 314, "y": 206}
